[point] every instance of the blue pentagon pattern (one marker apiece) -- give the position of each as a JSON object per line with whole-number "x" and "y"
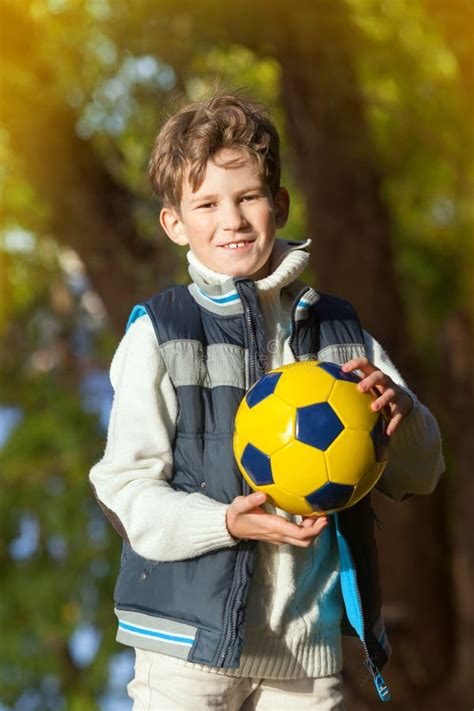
{"x": 262, "y": 389}
{"x": 317, "y": 425}
{"x": 258, "y": 465}
{"x": 330, "y": 496}
{"x": 337, "y": 373}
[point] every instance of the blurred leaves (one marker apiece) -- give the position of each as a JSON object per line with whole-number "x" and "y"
{"x": 118, "y": 65}
{"x": 58, "y": 555}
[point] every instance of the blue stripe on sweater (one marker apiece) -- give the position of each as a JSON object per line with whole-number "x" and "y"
{"x": 154, "y": 633}
{"x": 233, "y": 296}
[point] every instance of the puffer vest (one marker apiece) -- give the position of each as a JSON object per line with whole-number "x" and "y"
{"x": 194, "y": 609}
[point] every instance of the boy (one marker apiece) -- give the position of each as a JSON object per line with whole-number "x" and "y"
{"x": 228, "y": 602}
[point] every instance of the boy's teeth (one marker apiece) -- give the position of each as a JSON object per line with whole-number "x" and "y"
{"x": 234, "y": 245}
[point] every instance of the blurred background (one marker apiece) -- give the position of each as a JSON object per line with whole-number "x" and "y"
{"x": 374, "y": 101}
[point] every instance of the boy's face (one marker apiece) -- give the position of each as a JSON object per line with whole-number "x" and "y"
{"x": 230, "y": 221}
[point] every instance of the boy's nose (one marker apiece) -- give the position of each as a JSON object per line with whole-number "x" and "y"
{"x": 232, "y": 218}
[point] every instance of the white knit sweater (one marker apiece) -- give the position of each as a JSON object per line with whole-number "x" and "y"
{"x": 295, "y": 605}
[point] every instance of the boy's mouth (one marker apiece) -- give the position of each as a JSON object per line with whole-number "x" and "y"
{"x": 242, "y": 244}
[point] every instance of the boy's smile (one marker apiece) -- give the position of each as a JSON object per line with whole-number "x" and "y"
{"x": 230, "y": 221}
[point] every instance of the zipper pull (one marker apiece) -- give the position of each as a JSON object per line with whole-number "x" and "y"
{"x": 379, "y": 682}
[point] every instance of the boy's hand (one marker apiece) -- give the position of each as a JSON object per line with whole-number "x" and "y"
{"x": 245, "y": 519}
{"x": 392, "y": 396}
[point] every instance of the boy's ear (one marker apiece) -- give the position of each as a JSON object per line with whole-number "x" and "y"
{"x": 173, "y": 226}
{"x": 282, "y": 207}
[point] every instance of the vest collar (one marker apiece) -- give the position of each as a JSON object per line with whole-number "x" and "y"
{"x": 217, "y": 292}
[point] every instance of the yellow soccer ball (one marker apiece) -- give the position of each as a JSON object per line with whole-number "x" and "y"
{"x": 307, "y": 437}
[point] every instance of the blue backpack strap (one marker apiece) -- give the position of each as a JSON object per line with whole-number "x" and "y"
{"x": 348, "y": 578}
{"x": 353, "y": 605}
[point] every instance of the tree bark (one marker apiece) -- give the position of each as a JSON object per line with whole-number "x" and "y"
{"x": 455, "y": 21}
{"x": 456, "y": 392}
{"x": 339, "y": 172}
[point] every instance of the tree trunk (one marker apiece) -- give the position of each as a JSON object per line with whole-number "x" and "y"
{"x": 456, "y": 391}
{"x": 93, "y": 214}
{"x": 351, "y": 228}
{"x": 457, "y": 396}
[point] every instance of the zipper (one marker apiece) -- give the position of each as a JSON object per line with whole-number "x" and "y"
{"x": 253, "y": 374}
{"x": 252, "y": 334}
{"x": 230, "y": 635}
{"x": 379, "y": 682}
{"x": 293, "y": 317}
{"x": 252, "y": 331}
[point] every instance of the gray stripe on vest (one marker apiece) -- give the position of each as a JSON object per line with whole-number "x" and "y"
{"x": 156, "y": 634}
{"x": 220, "y": 364}
{"x": 342, "y": 353}
{"x": 335, "y": 354}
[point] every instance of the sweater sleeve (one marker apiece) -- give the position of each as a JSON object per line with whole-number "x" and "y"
{"x": 131, "y": 482}
{"x": 415, "y": 454}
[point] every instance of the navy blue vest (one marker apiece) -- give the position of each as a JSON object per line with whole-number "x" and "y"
{"x": 195, "y": 609}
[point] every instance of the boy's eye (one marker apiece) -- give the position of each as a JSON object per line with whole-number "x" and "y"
{"x": 250, "y": 197}
{"x": 206, "y": 204}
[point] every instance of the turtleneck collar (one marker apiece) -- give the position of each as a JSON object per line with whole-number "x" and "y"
{"x": 217, "y": 292}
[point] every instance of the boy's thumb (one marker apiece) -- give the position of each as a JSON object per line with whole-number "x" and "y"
{"x": 255, "y": 499}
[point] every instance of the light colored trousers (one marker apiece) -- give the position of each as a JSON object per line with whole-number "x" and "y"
{"x": 163, "y": 685}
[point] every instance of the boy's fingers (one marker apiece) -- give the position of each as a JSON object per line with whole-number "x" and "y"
{"x": 264, "y": 526}
{"x": 296, "y": 542}
{"x": 315, "y": 531}
{"x": 371, "y": 380}
{"x": 307, "y": 523}
{"x": 319, "y": 524}
{"x": 393, "y": 424}
{"x": 385, "y": 399}
{"x": 287, "y": 529}
{"x": 362, "y": 364}
{"x": 314, "y": 522}
{"x": 280, "y": 527}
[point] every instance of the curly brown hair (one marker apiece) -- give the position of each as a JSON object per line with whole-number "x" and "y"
{"x": 195, "y": 133}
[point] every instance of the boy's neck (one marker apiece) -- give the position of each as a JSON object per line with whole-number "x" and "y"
{"x": 280, "y": 270}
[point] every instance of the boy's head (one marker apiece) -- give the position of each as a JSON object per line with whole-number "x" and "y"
{"x": 216, "y": 167}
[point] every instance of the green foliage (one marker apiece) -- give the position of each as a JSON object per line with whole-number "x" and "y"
{"x": 59, "y": 556}
{"x": 64, "y": 578}
{"x": 420, "y": 117}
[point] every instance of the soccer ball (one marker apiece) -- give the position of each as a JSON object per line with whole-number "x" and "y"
{"x": 306, "y": 436}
